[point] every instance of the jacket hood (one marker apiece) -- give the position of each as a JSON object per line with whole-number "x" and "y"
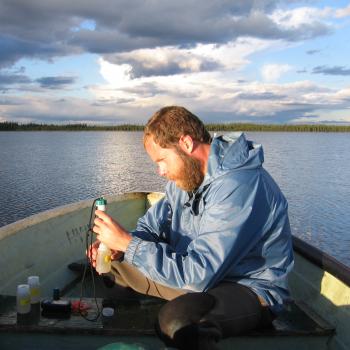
{"x": 232, "y": 151}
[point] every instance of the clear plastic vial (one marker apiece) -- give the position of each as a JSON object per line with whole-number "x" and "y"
{"x": 34, "y": 286}
{"x": 103, "y": 260}
{"x": 23, "y": 299}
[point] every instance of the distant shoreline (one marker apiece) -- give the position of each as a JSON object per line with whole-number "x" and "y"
{"x": 13, "y": 126}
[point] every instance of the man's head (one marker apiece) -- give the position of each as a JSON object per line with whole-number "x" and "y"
{"x": 167, "y": 125}
{"x": 178, "y": 142}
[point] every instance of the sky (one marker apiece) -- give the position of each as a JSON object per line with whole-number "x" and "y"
{"x": 118, "y": 61}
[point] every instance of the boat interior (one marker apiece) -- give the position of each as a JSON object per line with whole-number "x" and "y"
{"x": 134, "y": 319}
{"x": 312, "y": 321}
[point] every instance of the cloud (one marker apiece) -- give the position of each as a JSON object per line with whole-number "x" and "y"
{"x": 33, "y": 108}
{"x": 170, "y": 60}
{"x": 55, "y": 82}
{"x": 313, "y": 52}
{"x": 272, "y": 72}
{"x": 8, "y": 102}
{"x": 21, "y": 82}
{"x": 10, "y": 79}
{"x": 302, "y": 23}
{"x": 335, "y": 70}
{"x": 215, "y": 96}
{"x": 49, "y": 29}
{"x": 150, "y": 54}
{"x": 164, "y": 61}
{"x": 261, "y": 96}
{"x": 343, "y": 12}
{"x": 12, "y": 49}
{"x": 212, "y": 97}
{"x": 115, "y": 74}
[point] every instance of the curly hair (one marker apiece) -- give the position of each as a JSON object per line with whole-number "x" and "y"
{"x": 168, "y": 124}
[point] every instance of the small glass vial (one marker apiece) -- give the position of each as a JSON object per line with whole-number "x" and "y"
{"x": 23, "y": 299}
{"x": 103, "y": 261}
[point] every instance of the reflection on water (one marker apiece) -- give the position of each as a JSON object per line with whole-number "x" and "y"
{"x": 42, "y": 170}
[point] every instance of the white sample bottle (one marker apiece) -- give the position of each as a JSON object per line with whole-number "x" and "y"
{"x": 23, "y": 299}
{"x": 34, "y": 287}
{"x": 103, "y": 260}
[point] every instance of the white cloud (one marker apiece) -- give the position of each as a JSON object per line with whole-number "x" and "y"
{"x": 272, "y": 72}
{"x": 115, "y": 74}
{"x": 235, "y": 54}
{"x": 343, "y": 12}
{"x": 156, "y": 90}
{"x": 201, "y": 92}
{"x": 220, "y": 92}
{"x": 170, "y": 60}
{"x": 329, "y": 116}
{"x": 343, "y": 94}
{"x": 294, "y": 18}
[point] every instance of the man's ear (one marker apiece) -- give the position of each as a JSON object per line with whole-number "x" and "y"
{"x": 186, "y": 144}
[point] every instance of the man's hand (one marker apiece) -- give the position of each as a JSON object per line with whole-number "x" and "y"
{"x": 110, "y": 232}
{"x": 92, "y": 254}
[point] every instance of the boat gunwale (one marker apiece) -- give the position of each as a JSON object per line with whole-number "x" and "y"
{"x": 322, "y": 260}
{"x": 38, "y": 218}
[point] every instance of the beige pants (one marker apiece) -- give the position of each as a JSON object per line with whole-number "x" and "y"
{"x": 198, "y": 320}
{"x": 127, "y": 275}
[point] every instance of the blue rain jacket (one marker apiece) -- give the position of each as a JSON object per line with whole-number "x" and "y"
{"x": 235, "y": 227}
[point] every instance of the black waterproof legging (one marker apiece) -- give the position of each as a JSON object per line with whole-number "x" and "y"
{"x": 199, "y": 320}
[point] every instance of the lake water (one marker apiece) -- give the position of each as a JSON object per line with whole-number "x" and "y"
{"x": 43, "y": 170}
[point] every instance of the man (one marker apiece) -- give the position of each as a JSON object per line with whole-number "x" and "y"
{"x": 217, "y": 246}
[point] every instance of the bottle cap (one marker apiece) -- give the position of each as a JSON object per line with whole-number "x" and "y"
{"x": 33, "y": 280}
{"x": 23, "y": 289}
{"x": 107, "y": 311}
{"x": 101, "y": 201}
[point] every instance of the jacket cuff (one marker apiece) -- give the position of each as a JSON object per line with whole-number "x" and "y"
{"x": 131, "y": 249}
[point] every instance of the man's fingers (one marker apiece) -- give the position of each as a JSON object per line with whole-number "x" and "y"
{"x": 95, "y": 245}
{"x": 92, "y": 252}
{"x": 101, "y": 214}
{"x": 89, "y": 251}
{"x": 96, "y": 229}
{"x": 98, "y": 221}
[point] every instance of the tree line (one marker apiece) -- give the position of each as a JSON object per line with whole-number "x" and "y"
{"x": 14, "y": 126}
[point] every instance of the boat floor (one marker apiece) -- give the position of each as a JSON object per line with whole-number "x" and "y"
{"x": 133, "y": 320}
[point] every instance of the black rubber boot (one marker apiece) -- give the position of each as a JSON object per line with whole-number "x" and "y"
{"x": 180, "y": 326}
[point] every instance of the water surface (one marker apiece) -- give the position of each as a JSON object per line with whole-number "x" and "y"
{"x": 42, "y": 170}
